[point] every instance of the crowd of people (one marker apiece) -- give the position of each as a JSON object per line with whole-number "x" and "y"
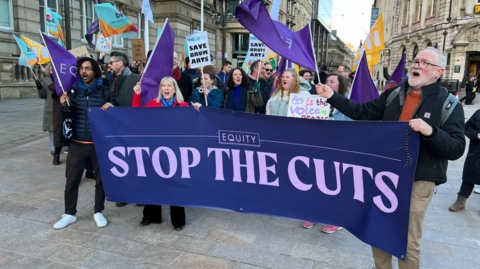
{"x": 264, "y": 92}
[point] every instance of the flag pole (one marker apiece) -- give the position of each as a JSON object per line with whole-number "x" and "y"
{"x": 147, "y": 35}
{"x": 314, "y": 53}
{"x": 201, "y": 16}
{"x": 203, "y": 86}
{"x": 53, "y": 65}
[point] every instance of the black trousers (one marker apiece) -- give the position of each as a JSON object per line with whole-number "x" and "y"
{"x": 466, "y": 189}
{"x": 469, "y": 96}
{"x": 76, "y": 158}
{"x": 153, "y": 213}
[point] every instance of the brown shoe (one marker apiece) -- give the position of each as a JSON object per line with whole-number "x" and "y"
{"x": 459, "y": 204}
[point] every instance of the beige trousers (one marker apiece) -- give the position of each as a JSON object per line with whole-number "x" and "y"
{"x": 422, "y": 194}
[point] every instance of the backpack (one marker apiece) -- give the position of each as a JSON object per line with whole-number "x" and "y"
{"x": 448, "y": 106}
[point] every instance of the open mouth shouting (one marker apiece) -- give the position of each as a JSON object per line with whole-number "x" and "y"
{"x": 415, "y": 73}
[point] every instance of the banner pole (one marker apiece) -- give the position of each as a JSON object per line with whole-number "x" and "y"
{"x": 314, "y": 53}
{"x": 203, "y": 86}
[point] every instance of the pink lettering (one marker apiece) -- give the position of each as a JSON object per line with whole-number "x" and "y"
{"x": 292, "y": 173}
{"x": 386, "y": 191}
{"x": 184, "y": 159}
{"x": 263, "y": 168}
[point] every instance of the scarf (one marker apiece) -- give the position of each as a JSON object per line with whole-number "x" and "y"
{"x": 88, "y": 89}
{"x": 168, "y": 103}
{"x": 176, "y": 73}
{"x": 241, "y": 104}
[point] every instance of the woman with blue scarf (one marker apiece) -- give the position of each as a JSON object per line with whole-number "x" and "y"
{"x": 169, "y": 95}
{"x": 241, "y": 96}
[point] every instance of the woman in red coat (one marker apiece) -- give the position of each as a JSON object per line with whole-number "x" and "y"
{"x": 168, "y": 96}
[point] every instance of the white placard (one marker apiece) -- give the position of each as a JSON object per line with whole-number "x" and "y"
{"x": 256, "y": 49}
{"x": 308, "y": 107}
{"x": 198, "y": 49}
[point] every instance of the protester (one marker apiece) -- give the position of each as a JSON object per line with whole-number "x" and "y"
{"x": 44, "y": 93}
{"x": 469, "y": 87}
{"x": 257, "y": 74}
{"x": 438, "y": 143}
{"x": 89, "y": 92}
{"x": 123, "y": 79}
{"x": 290, "y": 83}
{"x": 183, "y": 80}
{"x": 122, "y": 82}
{"x": 194, "y": 73}
{"x": 225, "y": 72}
{"x": 169, "y": 95}
{"x": 269, "y": 76}
{"x": 306, "y": 74}
{"x": 57, "y": 124}
{"x": 471, "y": 167}
{"x": 241, "y": 96}
{"x": 344, "y": 70}
{"x": 208, "y": 94}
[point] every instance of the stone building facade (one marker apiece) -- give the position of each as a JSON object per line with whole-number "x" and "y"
{"x": 26, "y": 17}
{"x": 338, "y": 53}
{"x": 453, "y": 27}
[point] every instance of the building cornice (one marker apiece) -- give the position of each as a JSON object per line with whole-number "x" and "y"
{"x": 128, "y": 9}
{"x": 175, "y": 17}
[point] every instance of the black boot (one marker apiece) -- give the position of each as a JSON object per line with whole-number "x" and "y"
{"x": 56, "y": 159}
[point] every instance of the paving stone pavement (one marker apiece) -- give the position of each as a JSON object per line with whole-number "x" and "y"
{"x": 31, "y": 200}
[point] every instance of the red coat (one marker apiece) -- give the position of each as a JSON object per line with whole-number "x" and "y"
{"x": 137, "y": 102}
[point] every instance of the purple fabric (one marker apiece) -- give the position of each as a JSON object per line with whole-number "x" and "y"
{"x": 92, "y": 30}
{"x": 295, "y": 46}
{"x": 159, "y": 64}
{"x": 363, "y": 89}
{"x": 399, "y": 72}
{"x": 64, "y": 66}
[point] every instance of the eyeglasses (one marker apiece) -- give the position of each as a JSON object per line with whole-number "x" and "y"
{"x": 268, "y": 70}
{"x": 87, "y": 68}
{"x": 111, "y": 62}
{"x": 423, "y": 65}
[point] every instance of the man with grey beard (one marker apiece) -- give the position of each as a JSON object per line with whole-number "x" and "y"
{"x": 423, "y": 103}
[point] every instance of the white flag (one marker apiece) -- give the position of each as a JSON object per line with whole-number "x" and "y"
{"x": 147, "y": 10}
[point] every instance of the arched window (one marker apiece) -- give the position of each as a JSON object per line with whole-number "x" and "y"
{"x": 404, "y": 51}
{"x": 415, "y": 51}
{"x": 429, "y": 44}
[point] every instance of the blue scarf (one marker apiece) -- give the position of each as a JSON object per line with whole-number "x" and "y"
{"x": 168, "y": 103}
{"x": 237, "y": 99}
{"x": 88, "y": 89}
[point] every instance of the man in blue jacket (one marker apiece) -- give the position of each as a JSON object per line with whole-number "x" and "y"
{"x": 89, "y": 92}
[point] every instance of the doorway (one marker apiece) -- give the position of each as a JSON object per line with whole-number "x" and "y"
{"x": 473, "y": 63}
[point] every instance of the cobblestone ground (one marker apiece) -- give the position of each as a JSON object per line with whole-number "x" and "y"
{"x": 31, "y": 200}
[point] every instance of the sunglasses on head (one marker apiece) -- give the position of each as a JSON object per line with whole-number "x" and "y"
{"x": 268, "y": 70}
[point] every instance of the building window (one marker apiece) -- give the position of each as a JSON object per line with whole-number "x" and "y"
{"x": 415, "y": 52}
{"x": 418, "y": 10}
{"x": 87, "y": 16}
{"x": 52, "y": 4}
{"x": 406, "y": 9}
{"x": 240, "y": 42}
{"x": 194, "y": 25}
{"x": 141, "y": 26}
{"x": 6, "y": 14}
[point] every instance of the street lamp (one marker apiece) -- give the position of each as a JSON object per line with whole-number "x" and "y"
{"x": 220, "y": 15}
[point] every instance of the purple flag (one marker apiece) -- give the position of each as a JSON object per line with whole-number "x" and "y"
{"x": 363, "y": 89}
{"x": 399, "y": 72}
{"x": 295, "y": 46}
{"x": 159, "y": 64}
{"x": 90, "y": 31}
{"x": 64, "y": 65}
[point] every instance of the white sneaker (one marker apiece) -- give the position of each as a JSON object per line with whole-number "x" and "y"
{"x": 100, "y": 220}
{"x": 65, "y": 221}
{"x": 477, "y": 190}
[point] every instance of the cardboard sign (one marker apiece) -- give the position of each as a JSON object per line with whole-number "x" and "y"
{"x": 308, "y": 107}
{"x": 256, "y": 49}
{"x": 80, "y": 52}
{"x": 198, "y": 49}
{"x": 104, "y": 44}
{"x": 138, "y": 50}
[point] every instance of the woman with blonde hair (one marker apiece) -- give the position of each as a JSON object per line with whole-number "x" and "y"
{"x": 169, "y": 95}
{"x": 289, "y": 83}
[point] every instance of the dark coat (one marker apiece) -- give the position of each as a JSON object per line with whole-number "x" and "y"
{"x": 471, "y": 168}
{"x": 447, "y": 141}
{"x": 45, "y": 93}
{"x": 186, "y": 86}
{"x": 81, "y": 124}
{"x": 57, "y": 121}
{"x": 125, "y": 84}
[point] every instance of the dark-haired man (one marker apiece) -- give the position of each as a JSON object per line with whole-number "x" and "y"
{"x": 123, "y": 79}
{"x": 87, "y": 93}
{"x": 225, "y": 72}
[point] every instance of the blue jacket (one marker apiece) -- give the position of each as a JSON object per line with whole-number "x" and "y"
{"x": 214, "y": 97}
{"x": 80, "y": 104}
{"x": 223, "y": 77}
